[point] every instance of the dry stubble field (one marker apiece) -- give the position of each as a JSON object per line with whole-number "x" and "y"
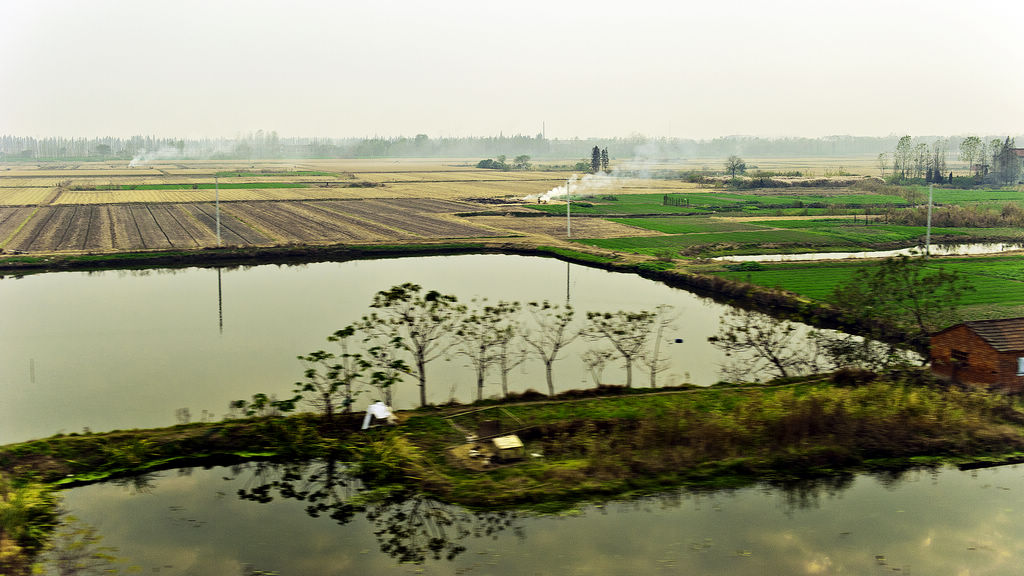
{"x": 110, "y": 206}
{"x": 99, "y": 207}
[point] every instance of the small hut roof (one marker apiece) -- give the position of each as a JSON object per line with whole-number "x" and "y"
{"x": 1004, "y": 335}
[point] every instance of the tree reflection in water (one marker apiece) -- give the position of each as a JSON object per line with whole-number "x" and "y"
{"x": 409, "y": 526}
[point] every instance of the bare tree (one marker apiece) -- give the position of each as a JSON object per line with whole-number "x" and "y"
{"x": 595, "y": 361}
{"x": 507, "y": 335}
{"x": 970, "y": 153}
{"x": 883, "y": 161}
{"x": 551, "y": 336}
{"x": 762, "y": 342}
{"x": 654, "y": 361}
{"x": 385, "y": 369}
{"x": 627, "y": 332}
{"x": 920, "y": 159}
{"x": 482, "y": 334}
{"x": 417, "y": 323}
{"x": 903, "y": 156}
{"x": 325, "y": 380}
{"x": 735, "y": 165}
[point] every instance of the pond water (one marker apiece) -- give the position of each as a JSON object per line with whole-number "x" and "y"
{"x": 943, "y": 522}
{"x": 127, "y": 349}
{"x": 936, "y": 250}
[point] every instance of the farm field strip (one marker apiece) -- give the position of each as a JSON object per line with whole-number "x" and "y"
{"x": 232, "y": 231}
{"x": 345, "y": 226}
{"x": 10, "y": 219}
{"x": 463, "y": 190}
{"x": 997, "y": 280}
{"x": 423, "y": 225}
{"x": 27, "y": 236}
{"x": 126, "y": 235}
{"x": 428, "y": 205}
{"x": 153, "y": 236}
{"x": 280, "y": 224}
{"x": 691, "y": 224}
{"x": 554, "y": 226}
{"x": 24, "y": 196}
{"x": 100, "y": 235}
{"x": 74, "y": 236}
{"x": 176, "y": 234}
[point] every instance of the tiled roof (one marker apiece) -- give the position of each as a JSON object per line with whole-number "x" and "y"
{"x": 1005, "y": 335}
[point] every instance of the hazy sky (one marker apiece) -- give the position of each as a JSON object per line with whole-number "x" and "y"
{"x": 359, "y": 68}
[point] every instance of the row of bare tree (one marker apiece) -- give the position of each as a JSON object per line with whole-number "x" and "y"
{"x": 408, "y": 328}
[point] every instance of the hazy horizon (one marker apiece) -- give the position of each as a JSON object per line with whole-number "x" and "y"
{"x": 689, "y": 70}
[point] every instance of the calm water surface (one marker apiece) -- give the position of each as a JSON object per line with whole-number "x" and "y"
{"x": 936, "y": 250}
{"x": 126, "y": 349}
{"x": 944, "y": 522}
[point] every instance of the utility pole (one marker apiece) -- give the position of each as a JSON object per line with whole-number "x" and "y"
{"x": 928, "y": 230}
{"x": 568, "y": 201}
{"x": 216, "y": 199}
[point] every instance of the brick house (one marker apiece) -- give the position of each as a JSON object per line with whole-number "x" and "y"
{"x": 987, "y": 353}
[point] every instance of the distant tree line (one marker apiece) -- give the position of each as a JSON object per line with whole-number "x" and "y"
{"x": 269, "y": 144}
{"x": 989, "y": 162}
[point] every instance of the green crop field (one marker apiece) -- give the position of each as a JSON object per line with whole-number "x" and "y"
{"x": 202, "y": 186}
{"x": 998, "y": 281}
{"x": 688, "y": 225}
{"x": 658, "y": 244}
{"x": 958, "y": 196}
{"x": 624, "y": 204}
{"x": 715, "y": 201}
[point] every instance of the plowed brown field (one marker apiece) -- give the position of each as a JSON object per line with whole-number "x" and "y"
{"x": 152, "y": 226}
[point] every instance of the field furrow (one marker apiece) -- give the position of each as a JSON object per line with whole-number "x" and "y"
{"x": 358, "y": 228}
{"x": 286, "y": 223}
{"x": 153, "y": 236}
{"x": 403, "y": 220}
{"x": 202, "y": 235}
{"x": 124, "y": 231}
{"x": 11, "y": 219}
{"x": 232, "y": 231}
{"x": 100, "y": 235}
{"x": 428, "y": 205}
{"x": 47, "y": 234}
{"x": 77, "y": 229}
{"x": 25, "y": 237}
{"x": 172, "y": 229}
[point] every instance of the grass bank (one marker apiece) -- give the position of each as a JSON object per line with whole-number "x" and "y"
{"x": 603, "y": 441}
{"x": 593, "y": 444}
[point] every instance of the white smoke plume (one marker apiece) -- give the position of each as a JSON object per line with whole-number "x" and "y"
{"x": 146, "y": 156}
{"x": 577, "y": 185}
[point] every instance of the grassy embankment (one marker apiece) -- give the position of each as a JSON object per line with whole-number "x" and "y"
{"x": 690, "y": 232}
{"x": 998, "y": 280}
{"x": 592, "y": 445}
{"x": 577, "y": 448}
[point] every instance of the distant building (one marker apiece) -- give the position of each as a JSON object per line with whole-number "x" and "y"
{"x": 986, "y": 353}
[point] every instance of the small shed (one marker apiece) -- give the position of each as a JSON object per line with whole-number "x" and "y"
{"x": 509, "y": 448}
{"x": 986, "y": 353}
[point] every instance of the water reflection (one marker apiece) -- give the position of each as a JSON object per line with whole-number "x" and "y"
{"x": 409, "y": 526}
{"x": 125, "y": 349}
{"x": 938, "y": 521}
{"x": 933, "y": 249}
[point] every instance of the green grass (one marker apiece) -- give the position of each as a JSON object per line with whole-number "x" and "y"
{"x": 242, "y": 174}
{"x": 958, "y": 196}
{"x": 688, "y": 225}
{"x": 752, "y": 241}
{"x": 576, "y": 255}
{"x": 626, "y": 204}
{"x": 716, "y": 201}
{"x": 997, "y": 280}
{"x": 202, "y": 186}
